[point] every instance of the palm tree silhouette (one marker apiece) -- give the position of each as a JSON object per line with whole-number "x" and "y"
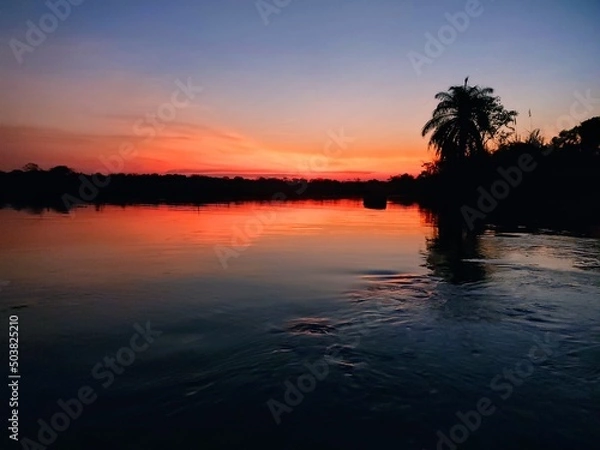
{"x": 465, "y": 118}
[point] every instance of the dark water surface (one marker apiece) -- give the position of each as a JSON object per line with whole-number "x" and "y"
{"x": 351, "y": 328}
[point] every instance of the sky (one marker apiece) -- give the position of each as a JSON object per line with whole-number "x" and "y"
{"x": 314, "y": 88}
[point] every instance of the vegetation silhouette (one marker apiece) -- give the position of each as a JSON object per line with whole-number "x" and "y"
{"x": 485, "y": 173}
{"x": 465, "y": 118}
{"x": 61, "y": 188}
{"x": 477, "y": 176}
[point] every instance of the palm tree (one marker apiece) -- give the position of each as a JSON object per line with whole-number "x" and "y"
{"x": 465, "y": 119}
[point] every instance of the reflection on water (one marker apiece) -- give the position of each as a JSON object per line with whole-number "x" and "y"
{"x": 412, "y": 318}
{"x": 451, "y": 252}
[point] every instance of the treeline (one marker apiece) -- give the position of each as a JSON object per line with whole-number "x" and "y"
{"x": 62, "y": 188}
{"x": 526, "y": 181}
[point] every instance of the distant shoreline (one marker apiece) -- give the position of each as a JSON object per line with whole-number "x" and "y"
{"x": 524, "y": 184}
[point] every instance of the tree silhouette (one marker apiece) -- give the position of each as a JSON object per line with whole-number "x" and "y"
{"x": 585, "y": 137}
{"x": 465, "y": 119}
{"x": 566, "y": 139}
{"x": 589, "y": 134}
{"x": 61, "y": 171}
{"x": 31, "y": 167}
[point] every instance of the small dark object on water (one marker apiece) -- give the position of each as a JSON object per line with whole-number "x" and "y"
{"x": 375, "y": 201}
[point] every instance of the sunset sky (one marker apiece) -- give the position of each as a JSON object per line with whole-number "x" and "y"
{"x": 278, "y": 90}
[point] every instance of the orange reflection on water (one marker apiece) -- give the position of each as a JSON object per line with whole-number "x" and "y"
{"x": 126, "y": 243}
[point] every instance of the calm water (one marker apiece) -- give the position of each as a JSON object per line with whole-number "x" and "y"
{"x": 407, "y": 328}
